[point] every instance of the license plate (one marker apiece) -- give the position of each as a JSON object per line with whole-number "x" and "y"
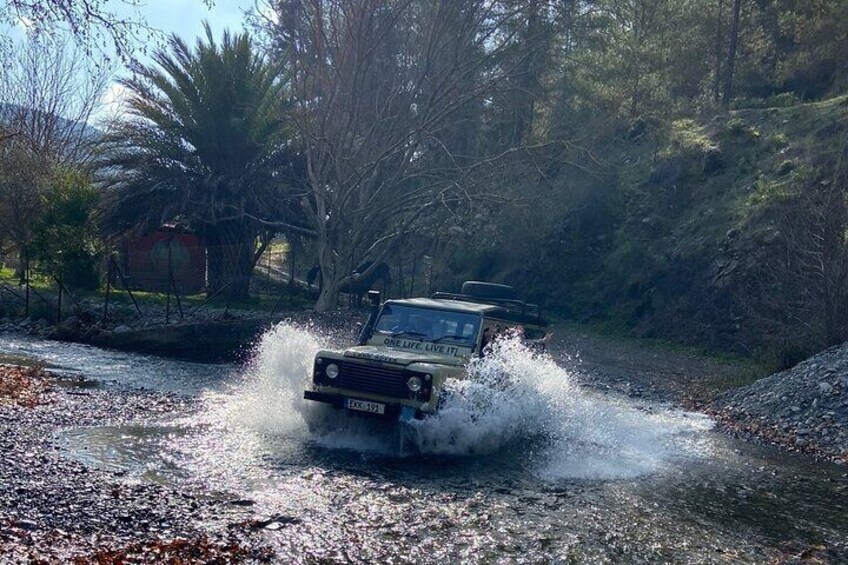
{"x": 366, "y": 406}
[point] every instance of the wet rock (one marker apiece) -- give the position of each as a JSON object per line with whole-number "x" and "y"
{"x": 274, "y": 522}
{"x": 54, "y": 508}
{"x": 27, "y": 525}
{"x": 713, "y": 160}
{"x": 68, "y": 329}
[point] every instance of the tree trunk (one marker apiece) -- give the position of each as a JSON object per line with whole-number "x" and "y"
{"x": 731, "y": 51}
{"x": 20, "y": 269}
{"x": 528, "y": 79}
{"x": 719, "y": 51}
{"x": 328, "y": 296}
{"x": 230, "y": 254}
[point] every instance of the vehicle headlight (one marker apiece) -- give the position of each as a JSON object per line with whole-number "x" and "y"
{"x": 414, "y": 384}
{"x": 332, "y": 371}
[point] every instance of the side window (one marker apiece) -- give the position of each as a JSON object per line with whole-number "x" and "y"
{"x": 468, "y": 331}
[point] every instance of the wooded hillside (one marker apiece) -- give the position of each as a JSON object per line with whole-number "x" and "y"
{"x": 689, "y": 181}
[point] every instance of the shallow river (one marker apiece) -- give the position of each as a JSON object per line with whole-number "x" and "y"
{"x": 523, "y": 465}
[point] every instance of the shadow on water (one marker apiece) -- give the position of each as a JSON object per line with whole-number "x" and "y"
{"x": 739, "y": 496}
{"x": 757, "y": 489}
{"x": 741, "y": 485}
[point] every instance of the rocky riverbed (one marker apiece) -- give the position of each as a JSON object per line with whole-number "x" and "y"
{"x": 57, "y": 510}
{"x": 38, "y": 328}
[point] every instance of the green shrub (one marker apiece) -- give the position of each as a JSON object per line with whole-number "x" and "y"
{"x": 736, "y": 126}
{"x": 65, "y": 242}
{"x": 782, "y": 100}
{"x": 778, "y": 141}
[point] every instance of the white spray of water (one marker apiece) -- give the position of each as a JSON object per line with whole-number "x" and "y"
{"x": 271, "y": 397}
{"x": 511, "y": 395}
{"x": 515, "y": 394}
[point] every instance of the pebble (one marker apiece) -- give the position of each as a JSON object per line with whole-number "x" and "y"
{"x": 26, "y": 525}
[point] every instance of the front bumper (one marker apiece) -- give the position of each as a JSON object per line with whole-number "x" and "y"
{"x": 392, "y": 411}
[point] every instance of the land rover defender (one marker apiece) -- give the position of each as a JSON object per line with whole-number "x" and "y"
{"x": 409, "y": 348}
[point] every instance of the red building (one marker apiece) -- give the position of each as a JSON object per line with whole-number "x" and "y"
{"x": 149, "y": 262}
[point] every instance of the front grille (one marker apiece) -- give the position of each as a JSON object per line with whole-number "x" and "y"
{"x": 387, "y": 381}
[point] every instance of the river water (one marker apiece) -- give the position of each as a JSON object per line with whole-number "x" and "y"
{"x": 521, "y": 465}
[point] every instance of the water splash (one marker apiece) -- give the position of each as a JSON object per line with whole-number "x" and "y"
{"x": 516, "y": 394}
{"x": 512, "y": 396}
{"x": 270, "y": 398}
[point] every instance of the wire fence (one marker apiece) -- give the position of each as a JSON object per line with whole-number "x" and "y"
{"x": 167, "y": 281}
{"x": 169, "y": 276}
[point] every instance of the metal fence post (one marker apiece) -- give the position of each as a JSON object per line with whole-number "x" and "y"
{"x": 26, "y": 282}
{"x": 108, "y": 289}
{"x": 126, "y": 286}
{"x": 59, "y": 303}
{"x": 172, "y": 283}
{"x": 168, "y": 305}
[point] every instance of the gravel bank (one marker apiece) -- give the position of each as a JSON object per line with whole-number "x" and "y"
{"x": 803, "y": 409}
{"x": 56, "y": 510}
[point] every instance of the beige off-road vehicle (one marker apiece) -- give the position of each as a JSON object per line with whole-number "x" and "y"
{"x": 409, "y": 348}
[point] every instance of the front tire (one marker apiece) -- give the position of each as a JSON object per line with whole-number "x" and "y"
{"x": 321, "y": 418}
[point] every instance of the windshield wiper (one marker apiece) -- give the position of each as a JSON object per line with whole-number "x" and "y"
{"x": 450, "y": 336}
{"x": 407, "y": 332}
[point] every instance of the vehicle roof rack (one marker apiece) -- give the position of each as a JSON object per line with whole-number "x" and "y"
{"x": 512, "y": 309}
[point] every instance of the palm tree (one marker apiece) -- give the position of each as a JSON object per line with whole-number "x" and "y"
{"x": 204, "y": 143}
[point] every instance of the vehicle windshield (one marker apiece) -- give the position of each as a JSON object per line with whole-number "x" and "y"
{"x": 428, "y": 325}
